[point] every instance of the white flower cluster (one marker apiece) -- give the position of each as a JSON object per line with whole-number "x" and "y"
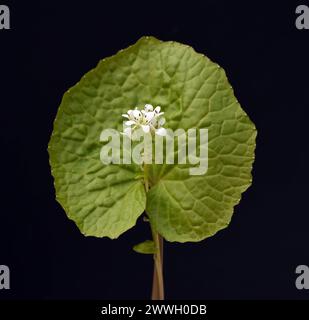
{"x": 149, "y": 120}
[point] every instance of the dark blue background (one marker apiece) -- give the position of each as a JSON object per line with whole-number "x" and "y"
{"x": 50, "y": 46}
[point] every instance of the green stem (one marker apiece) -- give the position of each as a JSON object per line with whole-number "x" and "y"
{"x": 158, "y": 282}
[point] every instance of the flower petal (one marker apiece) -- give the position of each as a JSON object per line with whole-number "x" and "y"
{"x": 146, "y": 128}
{"x": 157, "y": 109}
{"x": 129, "y": 123}
{"x": 149, "y": 116}
{"x": 136, "y": 114}
{"x": 161, "y": 132}
{"x": 148, "y": 107}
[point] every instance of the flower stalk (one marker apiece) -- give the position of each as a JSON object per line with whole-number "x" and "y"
{"x": 150, "y": 120}
{"x": 157, "y": 281}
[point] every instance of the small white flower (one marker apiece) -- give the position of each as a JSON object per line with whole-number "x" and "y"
{"x": 148, "y": 107}
{"x": 149, "y": 116}
{"x": 149, "y": 120}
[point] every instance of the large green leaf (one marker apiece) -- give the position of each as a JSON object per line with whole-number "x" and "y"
{"x": 106, "y": 200}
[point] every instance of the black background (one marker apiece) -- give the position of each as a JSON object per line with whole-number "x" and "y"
{"x": 50, "y": 46}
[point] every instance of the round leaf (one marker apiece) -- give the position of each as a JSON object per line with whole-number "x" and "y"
{"x": 106, "y": 200}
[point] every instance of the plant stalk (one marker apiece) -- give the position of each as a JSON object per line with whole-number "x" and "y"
{"x": 157, "y": 282}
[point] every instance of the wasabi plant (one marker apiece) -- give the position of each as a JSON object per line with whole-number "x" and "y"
{"x": 183, "y": 164}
